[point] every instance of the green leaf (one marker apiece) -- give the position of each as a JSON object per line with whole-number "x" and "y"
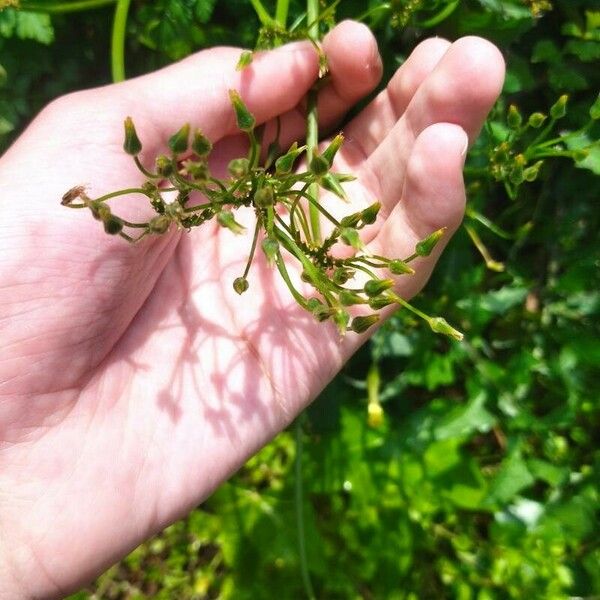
{"x": 592, "y": 160}
{"x": 465, "y": 420}
{"x": 26, "y": 25}
{"x": 512, "y": 478}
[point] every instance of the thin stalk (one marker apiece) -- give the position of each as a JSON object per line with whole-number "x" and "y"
{"x": 124, "y": 192}
{"x": 281, "y": 12}
{"x": 286, "y": 278}
{"x": 118, "y": 40}
{"x": 65, "y": 7}
{"x": 312, "y": 141}
{"x": 300, "y": 511}
{"x": 143, "y": 169}
{"x": 253, "y": 248}
{"x": 261, "y": 12}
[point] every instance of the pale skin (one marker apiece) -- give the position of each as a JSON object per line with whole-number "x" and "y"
{"x": 133, "y": 380}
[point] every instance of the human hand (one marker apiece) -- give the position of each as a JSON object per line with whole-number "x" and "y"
{"x": 133, "y": 380}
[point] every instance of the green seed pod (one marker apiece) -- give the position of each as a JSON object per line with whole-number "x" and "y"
{"x": 399, "y": 267}
{"x": 199, "y": 171}
{"x": 132, "y": 144}
{"x": 245, "y": 119}
{"x": 159, "y": 224}
{"x": 514, "y": 118}
{"x": 348, "y": 298}
{"x": 380, "y": 302}
{"x": 226, "y": 219}
{"x": 270, "y": 246}
{"x": 100, "y": 211}
{"x": 440, "y": 325}
{"x": 536, "y": 120}
{"x": 361, "y": 324}
{"x": 284, "y": 164}
{"x": 369, "y": 215}
{"x": 264, "y": 196}
{"x": 245, "y": 59}
{"x": 330, "y": 183}
{"x": 238, "y": 167}
{"x": 164, "y": 166}
{"x": 331, "y": 150}
{"x": 322, "y": 313}
{"x": 351, "y": 220}
{"x": 341, "y": 275}
{"x": 112, "y": 225}
{"x": 559, "y": 109}
{"x": 318, "y": 165}
{"x": 375, "y": 287}
{"x": 531, "y": 173}
{"x": 426, "y": 246}
{"x": 178, "y": 142}
{"x": 201, "y": 145}
{"x": 240, "y": 285}
{"x": 341, "y": 319}
{"x": 351, "y": 237}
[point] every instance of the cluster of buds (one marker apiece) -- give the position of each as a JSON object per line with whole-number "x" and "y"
{"x": 350, "y": 291}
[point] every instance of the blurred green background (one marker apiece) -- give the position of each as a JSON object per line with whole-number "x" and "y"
{"x": 428, "y": 468}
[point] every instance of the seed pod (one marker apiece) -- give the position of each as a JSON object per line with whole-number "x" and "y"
{"x": 132, "y": 144}
{"x": 531, "y": 173}
{"x": 164, "y": 166}
{"x": 331, "y": 184}
{"x": 238, "y": 167}
{"x": 331, "y": 150}
{"x": 318, "y": 165}
{"x": 322, "y": 313}
{"x": 351, "y": 237}
{"x": 226, "y": 219}
{"x": 197, "y": 170}
{"x": 245, "y": 119}
{"x": 201, "y": 145}
{"x": 159, "y": 224}
{"x": 112, "y": 225}
{"x": 380, "y": 302}
{"x": 348, "y": 298}
{"x": 264, "y": 196}
{"x": 426, "y": 246}
{"x": 361, "y": 324}
{"x": 341, "y": 275}
{"x": 351, "y": 220}
{"x": 536, "y": 120}
{"x": 369, "y": 215}
{"x": 313, "y": 304}
{"x": 270, "y": 246}
{"x": 178, "y": 142}
{"x": 559, "y": 109}
{"x": 440, "y": 325}
{"x": 240, "y": 285}
{"x": 375, "y": 287}
{"x": 399, "y": 267}
{"x": 514, "y": 118}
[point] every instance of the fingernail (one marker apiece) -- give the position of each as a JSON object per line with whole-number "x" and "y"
{"x": 466, "y": 146}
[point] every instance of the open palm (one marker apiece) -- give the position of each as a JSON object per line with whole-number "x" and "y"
{"x": 133, "y": 380}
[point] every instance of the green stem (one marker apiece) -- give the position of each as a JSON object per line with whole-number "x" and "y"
{"x": 281, "y": 12}
{"x": 300, "y": 511}
{"x": 65, "y": 7}
{"x": 118, "y": 40}
{"x": 143, "y": 169}
{"x": 121, "y": 193}
{"x": 261, "y": 12}
{"x": 253, "y": 248}
{"x": 312, "y": 141}
{"x": 286, "y": 278}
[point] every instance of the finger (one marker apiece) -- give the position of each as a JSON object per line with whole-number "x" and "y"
{"x": 369, "y": 128}
{"x": 433, "y": 197}
{"x": 355, "y": 69}
{"x": 461, "y": 90}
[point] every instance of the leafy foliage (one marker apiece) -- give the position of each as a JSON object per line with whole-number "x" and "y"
{"x": 430, "y": 469}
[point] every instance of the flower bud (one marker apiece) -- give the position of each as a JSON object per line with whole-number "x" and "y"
{"x": 270, "y": 246}
{"x": 238, "y": 167}
{"x": 351, "y": 237}
{"x": 264, "y": 196}
{"x": 178, "y": 142}
{"x": 380, "y": 302}
{"x": 426, "y": 246}
{"x": 112, "y": 225}
{"x": 199, "y": 171}
{"x": 375, "y": 414}
{"x": 322, "y": 312}
{"x": 226, "y": 219}
{"x": 245, "y": 59}
{"x": 100, "y": 211}
{"x": 132, "y": 144}
{"x": 514, "y": 118}
{"x": 201, "y": 145}
{"x": 348, "y": 298}
{"x": 531, "y": 173}
{"x": 159, "y": 224}
{"x": 331, "y": 150}
{"x": 369, "y": 215}
{"x": 399, "y": 267}
{"x": 240, "y": 285}
{"x": 375, "y": 287}
{"x": 440, "y": 325}
{"x": 559, "y": 108}
{"x": 536, "y": 120}
{"x": 245, "y": 119}
{"x": 341, "y": 275}
{"x": 284, "y": 164}
{"x": 361, "y": 324}
{"x": 351, "y": 220}
{"x": 318, "y": 165}
{"x": 164, "y": 166}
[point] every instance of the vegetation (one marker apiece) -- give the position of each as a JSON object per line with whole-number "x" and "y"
{"x": 430, "y": 468}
